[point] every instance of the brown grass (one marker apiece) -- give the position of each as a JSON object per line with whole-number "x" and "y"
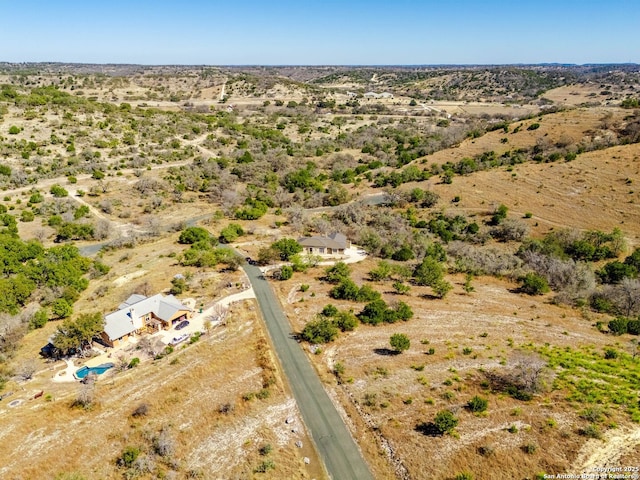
{"x": 592, "y": 192}
{"x": 571, "y": 125}
{"x": 409, "y": 389}
{"x": 184, "y": 392}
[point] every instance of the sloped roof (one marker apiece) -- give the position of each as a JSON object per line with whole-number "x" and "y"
{"x": 127, "y": 318}
{"x": 335, "y": 240}
{"x": 134, "y": 298}
{"x": 339, "y": 237}
{"x": 168, "y": 307}
{"x": 121, "y": 323}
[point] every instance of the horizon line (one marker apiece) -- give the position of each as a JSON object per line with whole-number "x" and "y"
{"x": 336, "y": 65}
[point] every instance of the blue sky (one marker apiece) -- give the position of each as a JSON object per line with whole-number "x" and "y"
{"x": 358, "y": 32}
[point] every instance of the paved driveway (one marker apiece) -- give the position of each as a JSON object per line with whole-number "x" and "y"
{"x": 338, "y": 450}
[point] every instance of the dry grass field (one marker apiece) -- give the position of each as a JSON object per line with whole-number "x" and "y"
{"x": 149, "y": 150}
{"x": 596, "y": 191}
{"x": 212, "y": 432}
{"x": 566, "y": 127}
{"x": 472, "y": 335}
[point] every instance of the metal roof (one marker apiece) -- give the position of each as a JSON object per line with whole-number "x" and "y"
{"x": 127, "y": 318}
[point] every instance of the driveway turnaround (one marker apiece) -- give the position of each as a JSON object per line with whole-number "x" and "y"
{"x": 338, "y": 450}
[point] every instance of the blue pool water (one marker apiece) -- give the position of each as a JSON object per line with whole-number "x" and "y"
{"x": 99, "y": 370}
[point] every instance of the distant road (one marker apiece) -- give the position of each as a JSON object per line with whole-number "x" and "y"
{"x": 338, "y": 450}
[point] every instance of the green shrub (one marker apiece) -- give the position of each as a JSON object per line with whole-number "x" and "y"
{"x": 61, "y": 308}
{"x": 178, "y": 285}
{"x": 441, "y": 288}
{"x": 345, "y": 321}
{"x": 478, "y": 404}
{"x": 499, "y": 215}
{"x": 230, "y": 233}
{"x": 400, "y": 342}
{"x": 329, "y": 311}
{"x": 591, "y": 431}
{"x": 404, "y": 254}
{"x": 191, "y": 235}
{"x": 263, "y": 394}
{"x": 445, "y": 421}
{"x": 266, "y": 449}
{"x": 39, "y": 319}
{"x": 36, "y": 197}
{"x": 320, "y": 331}
{"x": 618, "y": 325}
{"x": 128, "y": 457}
{"x": 464, "y": 476}
{"x": 265, "y": 466}
{"x": 27, "y": 216}
{"x": 58, "y": 191}
{"x": 610, "y": 353}
{"x": 286, "y": 272}
{"x": 534, "y": 284}
{"x": 337, "y": 273}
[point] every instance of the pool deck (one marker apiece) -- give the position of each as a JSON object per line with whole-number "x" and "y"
{"x": 66, "y": 375}
{"x": 196, "y": 324}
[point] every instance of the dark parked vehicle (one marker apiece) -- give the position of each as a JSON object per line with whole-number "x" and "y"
{"x": 182, "y": 324}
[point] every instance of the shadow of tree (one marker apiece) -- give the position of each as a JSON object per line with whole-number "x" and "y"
{"x": 429, "y": 429}
{"x": 385, "y": 351}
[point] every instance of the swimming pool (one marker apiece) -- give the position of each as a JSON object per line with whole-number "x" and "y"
{"x": 99, "y": 370}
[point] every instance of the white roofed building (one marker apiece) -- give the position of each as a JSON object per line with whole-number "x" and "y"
{"x": 139, "y": 314}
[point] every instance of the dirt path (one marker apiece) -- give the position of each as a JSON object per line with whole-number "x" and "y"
{"x": 596, "y": 454}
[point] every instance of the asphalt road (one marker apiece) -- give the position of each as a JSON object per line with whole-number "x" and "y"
{"x": 338, "y": 450}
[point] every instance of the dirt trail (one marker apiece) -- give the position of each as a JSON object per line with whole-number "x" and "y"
{"x": 596, "y": 454}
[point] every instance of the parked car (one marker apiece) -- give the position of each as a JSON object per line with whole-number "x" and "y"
{"x": 179, "y": 339}
{"x": 182, "y": 324}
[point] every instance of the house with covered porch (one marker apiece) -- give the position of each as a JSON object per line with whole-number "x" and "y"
{"x": 334, "y": 244}
{"x": 139, "y": 314}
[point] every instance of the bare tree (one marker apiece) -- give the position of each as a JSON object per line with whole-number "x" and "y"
{"x": 154, "y": 225}
{"x": 86, "y": 394}
{"x": 102, "y": 229}
{"x": 40, "y": 234}
{"x": 106, "y": 206}
{"x": 529, "y": 372}
{"x": 321, "y": 225}
{"x": 26, "y": 369}
{"x": 122, "y": 362}
{"x": 144, "y": 288}
{"x": 510, "y": 230}
{"x": 164, "y": 444}
{"x": 296, "y": 217}
{"x": 628, "y": 296}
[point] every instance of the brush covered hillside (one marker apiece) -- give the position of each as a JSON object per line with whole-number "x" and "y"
{"x": 489, "y": 331}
